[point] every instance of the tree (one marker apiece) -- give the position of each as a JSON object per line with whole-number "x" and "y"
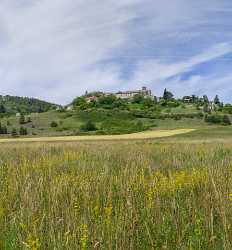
{"x": 206, "y": 108}
{"x": 23, "y": 131}
{"x": 139, "y": 126}
{"x": 53, "y": 124}
{"x": 205, "y": 99}
{"x": 155, "y": 99}
{"x": 138, "y": 99}
{"x": 14, "y": 132}
{"x": 107, "y": 100}
{"x": 28, "y": 119}
{"x": 216, "y": 100}
{"x": 148, "y": 102}
{"x": 167, "y": 95}
{"x": 2, "y": 108}
{"x": 226, "y": 120}
{"x": 88, "y": 126}
{"x": 4, "y": 130}
{"x": 195, "y": 98}
{"x": 79, "y": 101}
{"x": 22, "y": 119}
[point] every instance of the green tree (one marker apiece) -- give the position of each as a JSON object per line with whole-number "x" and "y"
{"x": 88, "y": 126}
{"x": 205, "y": 99}
{"x": 139, "y": 126}
{"x": 148, "y": 102}
{"x": 4, "y": 130}
{"x": 226, "y": 120}
{"x": 2, "y": 108}
{"x": 28, "y": 119}
{"x": 138, "y": 99}
{"x": 53, "y": 124}
{"x": 14, "y": 132}
{"x": 206, "y": 108}
{"x": 217, "y": 100}
{"x": 22, "y": 119}
{"x": 227, "y": 109}
{"x": 23, "y": 131}
{"x": 167, "y": 95}
{"x": 107, "y": 100}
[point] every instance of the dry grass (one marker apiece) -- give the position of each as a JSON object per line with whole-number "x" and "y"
{"x": 134, "y": 136}
{"x": 136, "y": 195}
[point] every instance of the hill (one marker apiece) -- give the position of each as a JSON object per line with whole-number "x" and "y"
{"x": 101, "y": 114}
{"x": 14, "y": 104}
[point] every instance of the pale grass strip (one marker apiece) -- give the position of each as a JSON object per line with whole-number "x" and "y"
{"x": 135, "y": 136}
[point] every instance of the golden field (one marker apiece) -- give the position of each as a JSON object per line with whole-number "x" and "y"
{"x": 116, "y": 195}
{"x": 134, "y": 136}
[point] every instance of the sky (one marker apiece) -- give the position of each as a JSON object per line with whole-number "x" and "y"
{"x": 57, "y": 49}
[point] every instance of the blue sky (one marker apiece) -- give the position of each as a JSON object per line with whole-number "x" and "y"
{"x": 57, "y": 49}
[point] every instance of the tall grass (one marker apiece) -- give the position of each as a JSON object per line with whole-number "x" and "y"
{"x": 116, "y": 196}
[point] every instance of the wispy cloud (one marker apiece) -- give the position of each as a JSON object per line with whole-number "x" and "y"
{"x": 56, "y": 49}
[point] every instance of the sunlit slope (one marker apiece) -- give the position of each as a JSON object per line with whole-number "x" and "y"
{"x": 134, "y": 136}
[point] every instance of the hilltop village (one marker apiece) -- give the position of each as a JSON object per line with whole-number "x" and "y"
{"x": 138, "y": 96}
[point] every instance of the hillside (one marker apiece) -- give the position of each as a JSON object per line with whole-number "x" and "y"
{"x": 108, "y": 115}
{"x": 14, "y": 104}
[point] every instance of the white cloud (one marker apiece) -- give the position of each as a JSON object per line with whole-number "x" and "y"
{"x": 56, "y": 49}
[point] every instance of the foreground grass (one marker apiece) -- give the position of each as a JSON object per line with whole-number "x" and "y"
{"x": 116, "y": 196}
{"x": 133, "y": 136}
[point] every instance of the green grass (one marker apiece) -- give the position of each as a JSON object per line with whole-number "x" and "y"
{"x": 109, "y": 122}
{"x": 205, "y": 134}
{"x": 69, "y": 123}
{"x": 127, "y": 195}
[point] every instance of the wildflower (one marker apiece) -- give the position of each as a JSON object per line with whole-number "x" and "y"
{"x": 230, "y": 197}
{"x": 108, "y": 213}
{"x": 149, "y": 195}
{"x": 84, "y": 237}
{"x": 32, "y": 243}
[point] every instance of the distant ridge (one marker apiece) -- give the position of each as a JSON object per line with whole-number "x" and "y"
{"x": 16, "y": 104}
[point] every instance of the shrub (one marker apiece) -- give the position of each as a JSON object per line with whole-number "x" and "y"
{"x": 139, "y": 126}
{"x": 22, "y": 119}
{"x": 54, "y": 124}
{"x": 29, "y": 119}
{"x": 3, "y": 129}
{"x": 23, "y": 131}
{"x": 226, "y": 120}
{"x": 88, "y": 126}
{"x": 14, "y": 132}
{"x": 218, "y": 119}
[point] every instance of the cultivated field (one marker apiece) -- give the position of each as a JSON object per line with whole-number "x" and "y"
{"x": 133, "y": 136}
{"x": 116, "y": 195}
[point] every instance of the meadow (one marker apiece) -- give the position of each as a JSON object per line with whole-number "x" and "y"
{"x": 116, "y": 195}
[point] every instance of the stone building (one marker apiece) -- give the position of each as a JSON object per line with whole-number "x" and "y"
{"x": 130, "y": 94}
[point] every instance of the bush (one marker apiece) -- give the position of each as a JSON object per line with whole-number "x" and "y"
{"x": 14, "y": 132}
{"x": 218, "y": 119}
{"x": 139, "y": 126}
{"x": 22, "y": 119}
{"x": 29, "y": 119}
{"x": 227, "y": 109}
{"x": 226, "y": 120}
{"x": 3, "y": 129}
{"x": 54, "y": 124}
{"x": 88, "y": 126}
{"x": 23, "y": 131}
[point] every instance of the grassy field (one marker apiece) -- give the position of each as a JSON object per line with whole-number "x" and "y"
{"x": 69, "y": 123}
{"x": 116, "y": 195}
{"x": 106, "y": 121}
